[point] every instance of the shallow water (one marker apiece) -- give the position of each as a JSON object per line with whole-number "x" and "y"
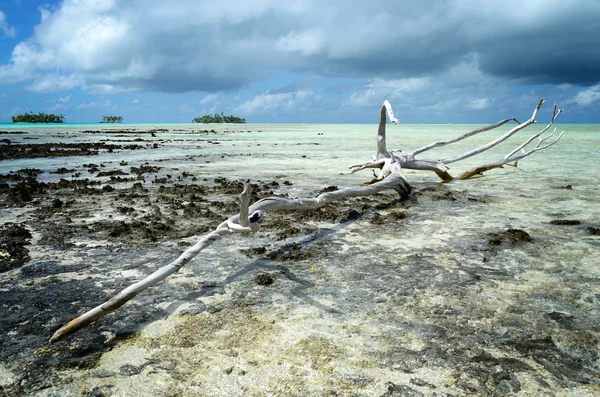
{"x": 422, "y": 304}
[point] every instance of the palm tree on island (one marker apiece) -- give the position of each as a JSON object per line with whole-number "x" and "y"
{"x": 38, "y": 118}
{"x": 112, "y": 119}
{"x": 219, "y": 118}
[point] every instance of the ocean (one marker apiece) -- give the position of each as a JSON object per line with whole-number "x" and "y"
{"x": 423, "y": 295}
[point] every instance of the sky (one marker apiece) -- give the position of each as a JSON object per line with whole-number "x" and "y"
{"x": 300, "y": 61}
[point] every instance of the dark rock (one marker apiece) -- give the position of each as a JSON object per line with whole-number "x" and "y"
{"x": 565, "y": 319}
{"x": 398, "y": 214}
{"x": 565, "y": 222}
{"x": 25, "y": 191}
{"x": 13, "y": 238}
{"x": 394, "y": 390}
{"x": 144, "y": 169}
{"x": 352, "y": 215}
{"x": 129, "y": 369}
{"x": 125, "y": 210}
{"x": 377, "y": 219}
{"x": 264, "y": 279}
{"x": 111, "y": 173}
{"x": 255, "y": 251}
{"x": 95, "y": 392}
{"x": 20, "y": 151}
{"x": 510, "y": 236}
{"x": 422, "y": 383}
{"x": 593, "y": 231}
{"x": 62, "y": 170}
{"x": 328, "y": 189}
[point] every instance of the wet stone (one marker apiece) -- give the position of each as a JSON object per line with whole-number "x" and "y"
{"x": 565, "y": 222}
{"x": 264, "y": 279}
{"x": 63, "y": 170}
{"x": 111, "y": 173}
{"x": 328, "y": 189}
{"x": 13, "y": 239}
{"x": 593, "y": 231}
{"x": 510, "y": 236}
{"x": 394, "y": 390}
{"x": 95, "y": 392}
{"x": 128, "y": 369}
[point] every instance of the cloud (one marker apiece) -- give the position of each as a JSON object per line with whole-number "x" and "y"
{"x": 7, "y": 30}
{"x": 61, "y": 104}
{"x": 587, "y": 97}
{"x": 53, "y": 83}
{"x": 395, "y": 89}
{"x": 210, "y": 99}
{"x": 479, "y": 104}
{"x": 93, "y": 104}
{"x": 272, "y": 103}
{"x": 151, "y": 45}
{"x": 185, "y": 108}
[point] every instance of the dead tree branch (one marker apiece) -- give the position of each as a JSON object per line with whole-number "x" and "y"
{"x": 390, "y": 177}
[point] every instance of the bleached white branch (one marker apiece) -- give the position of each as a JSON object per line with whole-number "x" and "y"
{"x": 512, "y": 157}
{"x": 493, "y": 143}
{"x": 233, "y": 225}
{"x": 391, "y": 176}
{"x": 386, "y": 108}
{"x": 461, "y": 137}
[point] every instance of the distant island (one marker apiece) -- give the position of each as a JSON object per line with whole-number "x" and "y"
{"x": 219, "y": 118}
{"x": 38, "y": 118}
{"x": 112, "y": 119}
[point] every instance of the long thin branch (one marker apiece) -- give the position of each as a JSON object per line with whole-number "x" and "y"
{"x": 510, "y": 156}
{"x": 493, "y": 143}
{"x": 370, "y": 164}
{"x": 555, "y": 115}
{"x": 461, "y": 137}
{"x": 130, "y": 292}
{"x": 233, "y": 225}
{"x": 390, "y": 177}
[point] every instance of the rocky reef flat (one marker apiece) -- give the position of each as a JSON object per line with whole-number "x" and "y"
{"x": 460, "y": 290}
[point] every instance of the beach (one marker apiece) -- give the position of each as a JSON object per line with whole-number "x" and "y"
{"x": 482, "y": 287}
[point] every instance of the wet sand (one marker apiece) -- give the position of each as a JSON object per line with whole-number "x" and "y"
{"x": 369, "y": 296}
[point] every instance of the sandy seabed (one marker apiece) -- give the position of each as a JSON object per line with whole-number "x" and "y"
{"x": 461, "y": 290}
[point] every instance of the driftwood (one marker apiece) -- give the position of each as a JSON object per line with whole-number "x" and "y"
{"x": 390, "y": 177}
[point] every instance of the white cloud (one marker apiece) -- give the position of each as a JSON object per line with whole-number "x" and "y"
{"x": 54, "y": 83}
{"x": 93, "y": 104}
{"x": 479, "y": 104}
{"x": 210, "y": 99}
{"x": 309, "y": 42}
{"x": 587, "y": 97}
{"x": 64, "y": 99}
{"x": 135, "y": 101}
{"x": 379, "y": 89}
{"x": 8, "y": 31}
{"x": 185, "y": 108}
{"x": 272, "y": 103}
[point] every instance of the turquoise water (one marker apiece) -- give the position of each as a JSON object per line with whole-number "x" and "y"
{"x": 313, "y": 155}
{"x": 318, "y": 154}
{"x": 391, "y": 284}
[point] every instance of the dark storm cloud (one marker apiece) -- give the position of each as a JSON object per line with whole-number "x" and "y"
{"x": 189, "y": 45}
